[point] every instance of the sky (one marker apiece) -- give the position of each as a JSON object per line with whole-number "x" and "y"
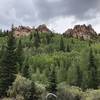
{"x": 58, "y": 15}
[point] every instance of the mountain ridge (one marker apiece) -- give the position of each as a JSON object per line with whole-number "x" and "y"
{"x": 78, "y": 31}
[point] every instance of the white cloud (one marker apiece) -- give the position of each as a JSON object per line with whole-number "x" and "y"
{"x": 57, "y": 14}
{"x": 60, "y": 24}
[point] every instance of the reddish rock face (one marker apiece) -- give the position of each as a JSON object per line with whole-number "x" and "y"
{"x": 81, "y": 31}
{"x": 43, "y": 28}
{"x": 22, "y": 31}
{"x": 25, "y": 31}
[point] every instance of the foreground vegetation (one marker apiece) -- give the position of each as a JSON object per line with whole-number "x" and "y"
{"x": 42, "y": 63}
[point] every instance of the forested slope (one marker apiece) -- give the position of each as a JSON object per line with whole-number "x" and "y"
{"x": 49, "y": 63}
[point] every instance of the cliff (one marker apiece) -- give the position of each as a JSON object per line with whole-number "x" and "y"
{"x": 81, "y": 31}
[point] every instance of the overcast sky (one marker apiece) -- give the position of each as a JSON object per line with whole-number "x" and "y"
{"x": 57, "y": 14}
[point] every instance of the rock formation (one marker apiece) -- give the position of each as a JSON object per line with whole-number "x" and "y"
{"x": 26, "y": 30}
{"x": 43, "y": 28}
{"x": 81, "y": 31}
{"x": 22, "y": 31}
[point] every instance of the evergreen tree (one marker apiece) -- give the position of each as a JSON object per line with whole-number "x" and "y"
{"x": 48, "y": 38}
{"x": 82, "y": 38}
{"x": 68, "y": 48}
{"x": 90, "y": 74}
{"x": 33, "y": 94}
{"x": 31, "y": 36}
{"x": 2, "y": 51}
{"x": 36, "y": 39}
{"x": 92, "y": 71}
{"x": 79, "y": 76}
{"x": 20, "y": 57}
{"x": 62, "y": 46}
{"x": 25, "y": 71}
{"x": 74, "y": 74}
{"x": 52, "y": 80}
{"x": 8, "y": 68}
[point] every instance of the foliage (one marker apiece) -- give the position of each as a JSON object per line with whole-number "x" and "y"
{"x": 20, "y": 57}
{"x": 23, "y": 87}
{"x": 8, "y": 65}
{"x": 49, "y": 59}
{"x": 52, "y": 82}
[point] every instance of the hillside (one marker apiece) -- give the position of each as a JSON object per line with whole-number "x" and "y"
{"x": 47, "y": 62}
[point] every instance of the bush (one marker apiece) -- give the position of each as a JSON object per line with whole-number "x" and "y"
{"x": 69, "y": 92}
{"x": 22, "y": 88}
{"x": 92, "y": 95}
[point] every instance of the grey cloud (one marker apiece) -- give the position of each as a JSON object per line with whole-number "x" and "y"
{"x": 17, "y": 12}
{"x": 77, "y": 8}
{"x": 33, "y": 12}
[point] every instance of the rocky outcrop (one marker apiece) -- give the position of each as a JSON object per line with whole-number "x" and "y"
{"x": 22, "y": 31}
{"x": 26, "y": 30}
{"x": 43, "y": 28}
{"x": 81, "y": 31}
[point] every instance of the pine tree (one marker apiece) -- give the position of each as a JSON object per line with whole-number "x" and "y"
{"x": 79, "y": 76}
{"x": 68, "y": 48}
{"x": 48, "y": 38}
{"x": 36, "y": 39}
{"x": 2, "y": 51}
{"x": 25, "y": 71}
{"x": 34, "y": 94}
{"x": 8, "y": 68}
{"x": 62, "y": 46}
{"x": 90, "y": 74}
{"x": 52, "y": 80}
{"x": 82, "y": 38}
{"x": 74, "y": 75}
{"x": 20, "y": 57}
{"x": 92, "y": 71}
{"x": 31, "y": 36}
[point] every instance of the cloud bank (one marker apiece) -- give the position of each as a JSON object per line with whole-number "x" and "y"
{"x": 57, "y": 14}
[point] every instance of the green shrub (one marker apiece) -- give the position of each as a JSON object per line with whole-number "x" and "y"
{"x": 23, "y": 87}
